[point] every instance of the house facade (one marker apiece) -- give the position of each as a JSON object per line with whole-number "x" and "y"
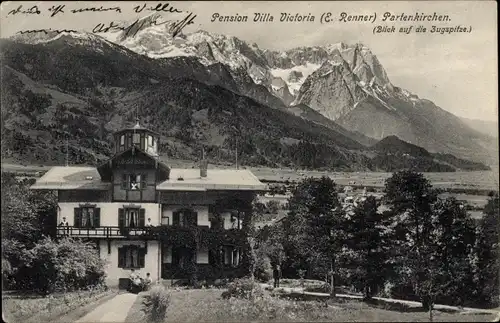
{"x": 143, "y": 215}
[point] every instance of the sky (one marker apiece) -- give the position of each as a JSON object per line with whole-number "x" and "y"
{"x": 456, "y": 71}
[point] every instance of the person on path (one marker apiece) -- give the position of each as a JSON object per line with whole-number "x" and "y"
{"x": 147, "y": 282}
{"x": 135, "y": 281}
{"x": 277, "y": 276}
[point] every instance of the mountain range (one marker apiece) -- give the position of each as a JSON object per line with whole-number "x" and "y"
{"x": 313, "y": 107}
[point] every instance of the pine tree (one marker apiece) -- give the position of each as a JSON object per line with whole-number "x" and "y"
{"x": 487, "y": 255}
{"x": 365, "y": 253}
{"x": 410, "y": 197}
{"x": 314, "y": 226}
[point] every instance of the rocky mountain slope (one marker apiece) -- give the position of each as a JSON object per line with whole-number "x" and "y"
{"x": 489, "y": 128}
{"x": 404, "y": 155}
{"x": 65, "y": 89}
{"x": 344, "y": 83}
{"x": 71, "y": 92}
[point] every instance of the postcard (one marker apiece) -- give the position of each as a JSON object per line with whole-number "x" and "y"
{"x": 213, "y": 161}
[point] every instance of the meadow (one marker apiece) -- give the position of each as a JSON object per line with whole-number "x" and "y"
{"x": 207, "y": 305}
{"x": 33, "y": 308}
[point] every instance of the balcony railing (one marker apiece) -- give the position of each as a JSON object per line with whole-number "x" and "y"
{"x": 101, "y": 232}
{"x": 154, "y": 232}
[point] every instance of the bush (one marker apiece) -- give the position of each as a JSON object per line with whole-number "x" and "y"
{"x": 243, "y": 288}
{"x": 263, "y": 268}
{"x": 156, "y": 304}
{"x": 64, "y": 265}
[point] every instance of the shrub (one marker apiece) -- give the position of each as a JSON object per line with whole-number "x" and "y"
{"x": 243, "y": 288}
{"x": 263, "y": 268}
{"x": 156, "y": 304}
{"x": 64, "y": 265}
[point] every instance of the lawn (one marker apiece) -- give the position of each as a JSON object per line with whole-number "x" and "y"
{"x": 25, "y": 308}
{"x": 207, "y": 305}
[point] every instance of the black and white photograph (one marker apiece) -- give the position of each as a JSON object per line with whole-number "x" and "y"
{"x": 249, "y": 161}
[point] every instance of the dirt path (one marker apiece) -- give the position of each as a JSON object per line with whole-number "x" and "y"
{"x": 114, "y": 310}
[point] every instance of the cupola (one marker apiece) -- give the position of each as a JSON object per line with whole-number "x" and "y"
{"x": 138, "y": 137}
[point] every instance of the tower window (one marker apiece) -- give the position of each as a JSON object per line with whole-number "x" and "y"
{"x": 137, "y": 138}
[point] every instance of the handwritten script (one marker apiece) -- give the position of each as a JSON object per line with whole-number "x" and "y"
{"x": 176, "y": 21}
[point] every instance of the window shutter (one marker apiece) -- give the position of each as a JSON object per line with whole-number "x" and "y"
{"x": 124, "y": 181}
{"x": 142, "y": 257}
{"x": 78, "y": 217}
{"x": 142, "y": 217}
{"x": 121, "y": 257}
{"x": 121, "y": 218}
{"x": 97, "y": 217}
{"x": 175, "y": 220}
{"x": 144, "y": 181}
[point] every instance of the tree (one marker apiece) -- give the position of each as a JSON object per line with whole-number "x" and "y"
{"x": 64, "y": 265}
{"x": 313, "y": 226}
{"x": 26, "y": 214}
{"x": 454, "y": 238}
{"x": 410, "y": 197}
{"x": 367, "y": 238}
{"x": 26, "y": 217}
{"x": 447, "y": 272}
{"x": 487, "y": 255}
{"x": 434, "y": 239}
{"x": 270, "y": 251}
{"x": 273, "y": 206}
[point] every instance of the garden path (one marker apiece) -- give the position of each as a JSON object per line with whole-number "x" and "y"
{"x": 389, "y": 300}
{"x": 115, "y": 310}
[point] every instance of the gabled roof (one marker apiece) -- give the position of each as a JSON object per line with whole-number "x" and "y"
{"x": 217, "y": 179}
{"x": 71, "y": 178}
{"x": 176, "y": 179}
{"x": 106, "y": 169}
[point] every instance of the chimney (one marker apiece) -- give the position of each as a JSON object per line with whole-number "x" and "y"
{"x": 203, "y": 166}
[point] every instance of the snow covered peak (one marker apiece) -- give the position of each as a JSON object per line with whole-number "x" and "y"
{"x": 49, "y": 35}
{"x": 71, "y": 38}
{"x": 337, "y": 46}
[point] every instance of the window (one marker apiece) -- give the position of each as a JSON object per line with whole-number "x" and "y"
{"x": 122, "y": 140}
{"x": 184, "y": 218}
{"x": 232, "y": 256}
{"x": 165, "y": 219}
{"x": 134, "y": 182}
{"x": 131, "y": 218}
{"x": 131, "y": 257}
{"x": 216, "y": 221}
{"x": 183, "y": 257}
{"x": 136, "y": 138}
{"x": 216, "y": 256}
{"x": 235, "y": 220}
{"x": 87, "y": 217}
{"x": 150, "y": 141}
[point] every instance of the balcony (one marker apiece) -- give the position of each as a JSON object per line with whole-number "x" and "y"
{"x": 103, "y": 232}
{"x": 166, "y": 233}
